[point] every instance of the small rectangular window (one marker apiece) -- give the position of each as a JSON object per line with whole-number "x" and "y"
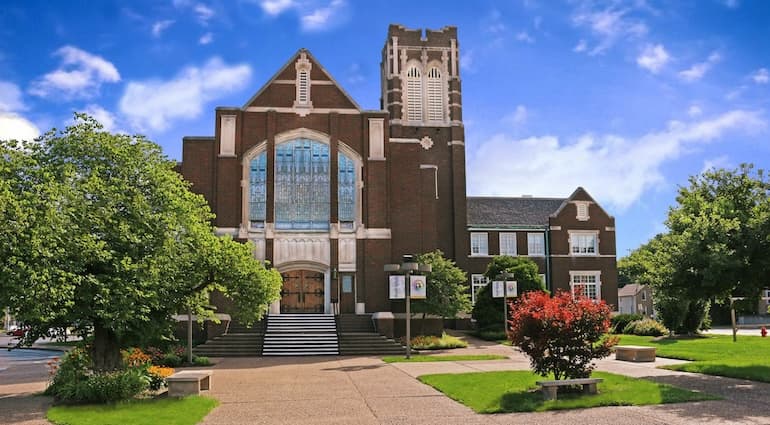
{"x": 535, "y": 244}
{"x": 508, "y": 244}
{"x": 479, "y": 244}
{"x": 347, "y": 284}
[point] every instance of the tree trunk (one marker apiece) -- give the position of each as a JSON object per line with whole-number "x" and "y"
{"x": 105, "y": 351}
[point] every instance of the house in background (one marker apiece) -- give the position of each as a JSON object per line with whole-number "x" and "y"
{"x": 571, "y": 239}
{"x": 635, "y": 299}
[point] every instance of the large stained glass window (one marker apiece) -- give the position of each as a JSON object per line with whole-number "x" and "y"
{"x": 346, "y": 195}
{"x": 257, "y": 190}
{"x": 302, "y": 185}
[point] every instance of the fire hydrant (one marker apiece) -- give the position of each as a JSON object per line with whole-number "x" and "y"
{"x": 763, "y": 332}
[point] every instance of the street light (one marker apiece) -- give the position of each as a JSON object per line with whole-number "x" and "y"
{"x": 408, "y": 266}
{"x": 504, "y": 276}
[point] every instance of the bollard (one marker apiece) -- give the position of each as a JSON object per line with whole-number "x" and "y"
{"x": 763, "y": 332}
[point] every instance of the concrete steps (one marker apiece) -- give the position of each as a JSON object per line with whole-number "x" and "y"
{"x": 239, "y": 341}
{"x": 300, "y": 335}
{"x": 358, "y": 338}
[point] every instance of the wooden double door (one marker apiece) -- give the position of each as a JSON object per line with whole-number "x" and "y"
{"x": 303, "y": 292}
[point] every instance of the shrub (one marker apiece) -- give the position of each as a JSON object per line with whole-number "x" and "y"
{"x": 561, "y": 335}
{"x": 430, "y": 342}
{"x": 171, "y": 360}
{"x": 490, "y": 334}
{"x": 201, "y": 361}
{"x": 98, "y": 387}
{"x": 620, "y": 321}
{"x": 488, "y": 311}
{"x": 683, "y": 316}
{"x": 645, "y": 327}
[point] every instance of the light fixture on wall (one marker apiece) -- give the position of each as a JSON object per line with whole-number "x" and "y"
{"x": 334, "y": 273}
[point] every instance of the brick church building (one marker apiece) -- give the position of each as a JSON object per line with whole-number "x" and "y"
{"x": 329, "y": 192}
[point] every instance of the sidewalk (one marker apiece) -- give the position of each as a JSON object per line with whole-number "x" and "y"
{"x": 364, "y": 390}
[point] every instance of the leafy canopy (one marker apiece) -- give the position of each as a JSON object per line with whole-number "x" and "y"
{"x": 100, "y": 232}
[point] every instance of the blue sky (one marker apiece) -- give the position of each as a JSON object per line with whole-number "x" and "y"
{"x": 624, "y": 98}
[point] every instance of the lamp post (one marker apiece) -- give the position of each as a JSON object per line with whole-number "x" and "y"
{"x": 408, "y": 266}
{"x": 504, "y": 276}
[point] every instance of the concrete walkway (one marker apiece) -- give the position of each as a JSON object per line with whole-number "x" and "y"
{"x": 361, "y": 390}
{"x": 364, "y": 390}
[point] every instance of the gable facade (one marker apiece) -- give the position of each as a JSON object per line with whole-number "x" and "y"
{"x": 328, "y": 193}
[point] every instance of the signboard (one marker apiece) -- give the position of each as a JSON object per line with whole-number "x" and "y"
{"x": 511, "y": 288}
{"x": 497, "y": 289}
{"x": 418, "y": 287}
{"x": 397, "y": 287}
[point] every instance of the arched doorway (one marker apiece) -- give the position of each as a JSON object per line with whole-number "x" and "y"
{"x": 303, "y": 292}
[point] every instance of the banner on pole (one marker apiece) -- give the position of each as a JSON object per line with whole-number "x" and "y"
{"x": 418, "y": 288}
{"x": 498, "y": 287}
{"x": 511, "y": 289}
{"x": 397, "y": 284}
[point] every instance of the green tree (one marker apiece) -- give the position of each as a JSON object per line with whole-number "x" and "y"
{"x": 720, "y": 229}
{"x": 99, "y": 231}
{"x": 488, "y": 311}
{"x": 447, "y": 293}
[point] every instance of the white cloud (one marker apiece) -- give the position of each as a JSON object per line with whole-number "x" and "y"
{"x": 106, "y": 118}
{"x": 761, "y": 76}
{"x": 80, "y": 75}
{"x": 322, "y": 17}
{"x": 16, "y": 127}
{"x": 517, "y": 117}
{"x": 615, "y": 169}
{"x": 694, "y": 111}
{"x": 523, "y": 36}
{"x": 160, "y": 26}
{"x": 609, "y": 25}
{"x": 156, "y": 104}
{"x": 203, "y": 12}
{"x": 580, "y": 47}
{"x": 10, "y": 97}
{"x": 466, "y": 60}
{"x": 653, "y": 58}
{"x": 206, "y": 38}
{"x": 698, "y": 70}
{"x": 276, "y": 7}
{"x": 721, "y": 161}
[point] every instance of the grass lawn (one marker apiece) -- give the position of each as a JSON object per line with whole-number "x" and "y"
{"x": 749, "y": 358}
{"x": 516, "y": 391}
{"x": 168, "y": 411}
{"x": 458, "y": 358}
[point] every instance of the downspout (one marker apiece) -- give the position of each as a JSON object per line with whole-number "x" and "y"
{"x": 548, "y": 259}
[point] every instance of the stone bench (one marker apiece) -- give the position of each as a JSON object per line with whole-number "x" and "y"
{"x": 550, "y": 388}
{"x": 635, "y": 353}
{"x": 189, "y": 382}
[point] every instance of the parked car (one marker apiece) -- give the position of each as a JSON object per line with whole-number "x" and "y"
{"x": 18, "y": 332}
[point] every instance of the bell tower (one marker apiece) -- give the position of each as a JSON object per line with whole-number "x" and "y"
{"x": 421, "y": 91}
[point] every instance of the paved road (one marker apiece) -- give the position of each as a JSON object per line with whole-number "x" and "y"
{"x": 23, "y": 375}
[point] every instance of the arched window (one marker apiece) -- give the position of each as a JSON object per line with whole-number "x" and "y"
{"x": 302, "y": 185}
{"x": 257, "y": 190}
{"x": 346, "y": 191}
{"x": 435, "y": 95}
{"x": 413, "y": 94}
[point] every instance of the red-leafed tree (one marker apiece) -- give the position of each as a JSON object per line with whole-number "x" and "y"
{"x": 561, "y": 334}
